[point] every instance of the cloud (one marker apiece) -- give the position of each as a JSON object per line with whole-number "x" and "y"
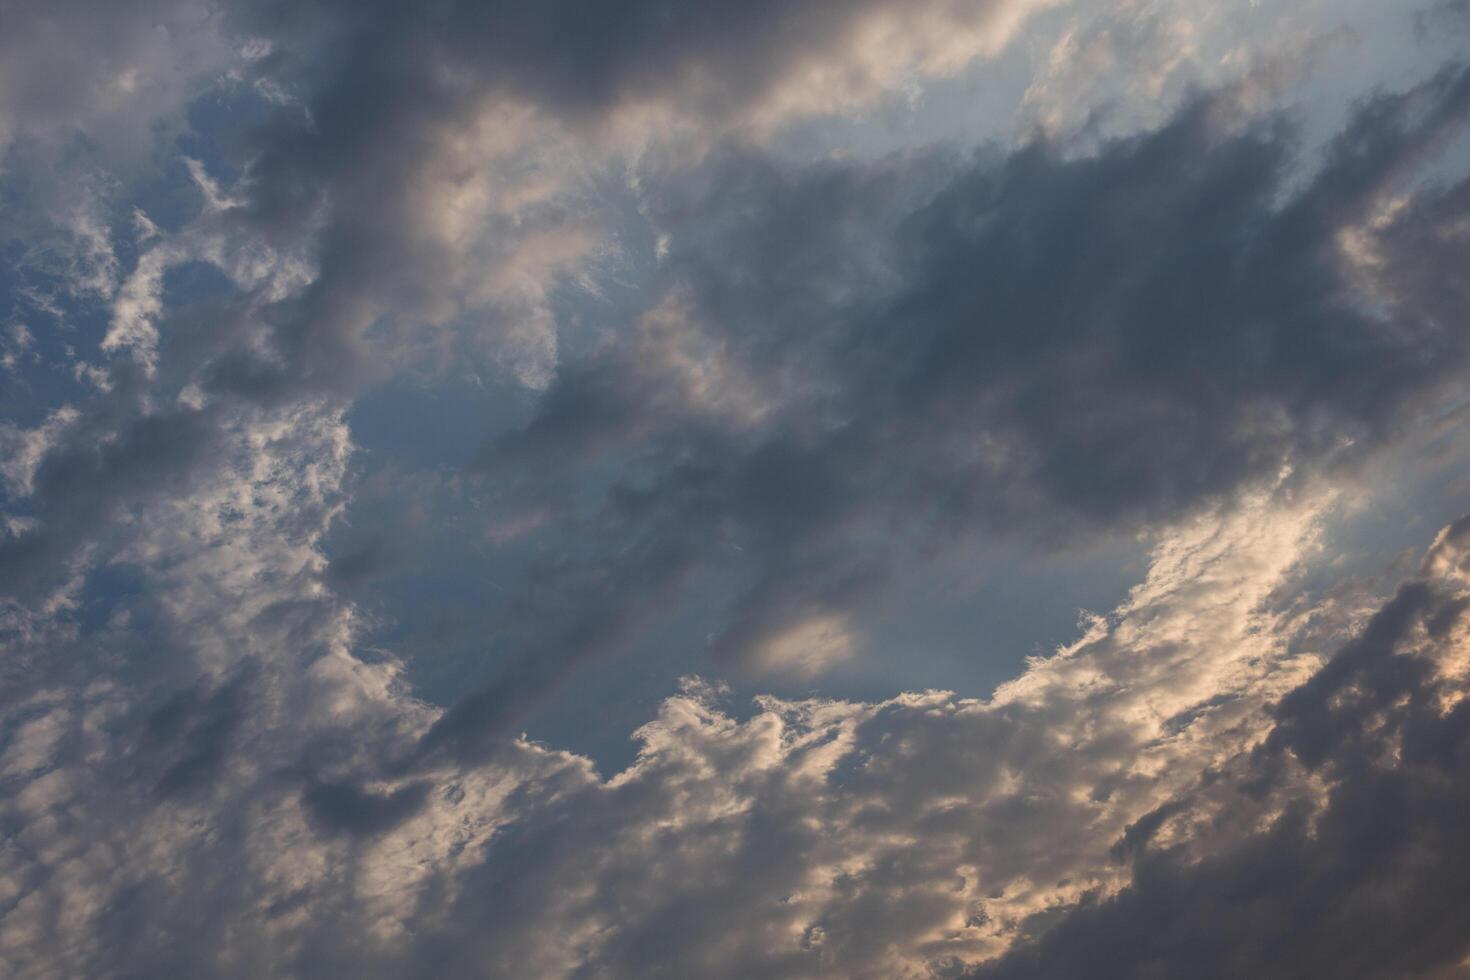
{"x": 1363, "y": 874}
{"x": 818, "y": 837}
{"x": 828, "y": 374}
{"x": 132, "y": 732}
{"x": 1449, "y": 16}
{"x": 445, "y": 163}
{"x": 103, "y": 72}
{"x": 700, "y": 60}
{"x": 895, "y": 359}
{"x": 905, "y": 837}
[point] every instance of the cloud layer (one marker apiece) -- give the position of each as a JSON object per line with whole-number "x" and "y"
{"x": 737, "y": 391}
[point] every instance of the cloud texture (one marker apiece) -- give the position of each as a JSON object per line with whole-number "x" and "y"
{"x": 708, "y": 367}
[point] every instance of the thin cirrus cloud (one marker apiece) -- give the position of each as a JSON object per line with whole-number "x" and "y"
{"x": 742, "y": 397}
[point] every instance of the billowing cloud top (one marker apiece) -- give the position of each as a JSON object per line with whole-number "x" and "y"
{"x": 401, "y": 405}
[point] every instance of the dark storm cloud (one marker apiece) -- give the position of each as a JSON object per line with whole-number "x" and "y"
{"x": 1375, "y": 885}
{"x": 384, "y": 86}
{"x": 577, "y": 56}
{"x": 1037, "y": 343}
{"x": 362, "y": 99}
{"x": 1103, "y": 320}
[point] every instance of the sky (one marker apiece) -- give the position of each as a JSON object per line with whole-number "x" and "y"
{"x": 883, "y": 489}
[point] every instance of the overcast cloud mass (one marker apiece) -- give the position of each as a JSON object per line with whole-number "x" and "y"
{"x": 815, "y": 489}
